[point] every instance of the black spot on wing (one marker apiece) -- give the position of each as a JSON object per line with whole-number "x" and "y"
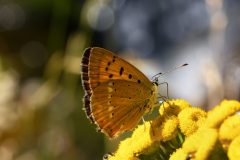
{"x": 130, "y": 76}
{"x": 121, "y": 71}
{"x": 114, "y": 59}
{"x": 111, "y": 75}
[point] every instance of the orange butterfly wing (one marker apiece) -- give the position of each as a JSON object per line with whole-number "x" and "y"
{"x": 117, "y": 93}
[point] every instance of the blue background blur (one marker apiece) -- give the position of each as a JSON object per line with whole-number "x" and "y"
{"x": 41, "y": 43}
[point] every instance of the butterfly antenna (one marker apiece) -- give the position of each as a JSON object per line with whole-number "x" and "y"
{"x": 161, "y": 74}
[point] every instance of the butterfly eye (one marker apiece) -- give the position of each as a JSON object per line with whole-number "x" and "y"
{"x": 155, "y": 82}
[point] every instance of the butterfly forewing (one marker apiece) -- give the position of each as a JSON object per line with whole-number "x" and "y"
{"x": 117, "y": 93}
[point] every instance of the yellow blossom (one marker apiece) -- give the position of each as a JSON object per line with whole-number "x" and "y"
{"x": 164, "y": 128}
{"x": 141, "y": 138}
{"x": 229, "y": 129}
{"x": 201, "y": 143}
{"x": 234, "y": 149}
{"x": 130, "y": 147}
{"x": 124, "y": 152}
{"x": 190, "y": 119}
{"x": 217, "y": 115}
{"x": 173, "y": 107}
{"x": 179, "y": 155}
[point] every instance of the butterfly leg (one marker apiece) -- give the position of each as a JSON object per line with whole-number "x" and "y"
{"x": 165, "y": 83}
{"x": 165, "y": 100}
{"x": 152, "y": 128}
{"x": 144, "y": 123}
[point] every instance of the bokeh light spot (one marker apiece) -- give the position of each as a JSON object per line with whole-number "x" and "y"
{"x": 12, "y": 16}
{"x": 100, "y": 17}
{"x": 33, "y": 54}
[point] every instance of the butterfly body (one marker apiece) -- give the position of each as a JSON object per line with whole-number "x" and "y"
{"x": 117, "y": 93}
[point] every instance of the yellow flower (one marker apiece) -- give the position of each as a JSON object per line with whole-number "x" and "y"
{"x": 229, "y": 129}
{"x": 217, "y": 115}
{"x": 179, "y": 155}
{"x": 141, "y": 138}
{"x": 164, "y": 129}
{"x": 234, "y": 149}
{"x": 201, "y": 143}
{"x": 190, "y": 119}
{"x": 124, "y": 152}
{"x": 173, "y": 107}
{"x": 130, "y": 147}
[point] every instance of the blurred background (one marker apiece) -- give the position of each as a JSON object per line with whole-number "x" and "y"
{"x": 41, "y": 43}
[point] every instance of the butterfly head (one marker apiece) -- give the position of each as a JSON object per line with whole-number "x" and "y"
{"x": 155, "y": 82}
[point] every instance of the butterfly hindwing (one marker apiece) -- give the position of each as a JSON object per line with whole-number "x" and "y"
{"x": 116, "y": 109}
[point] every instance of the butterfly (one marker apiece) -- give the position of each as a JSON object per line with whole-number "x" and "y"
{"x": 117, "y": 94}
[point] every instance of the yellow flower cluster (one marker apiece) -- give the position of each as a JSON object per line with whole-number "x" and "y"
{"x": 183, "y": 132}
